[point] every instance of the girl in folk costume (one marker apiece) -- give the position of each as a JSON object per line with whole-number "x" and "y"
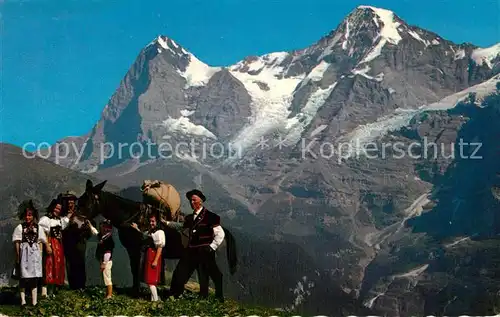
{"x": 155, "y": 241}
{"x": 104, "y": 254}
{"x": 54, "y": 263}
{"x": 28, "y": 238}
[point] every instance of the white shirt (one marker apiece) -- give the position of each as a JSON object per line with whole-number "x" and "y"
{"x": 197, "y": 212}
{"x": 218, "y": 237}
{"x": 218, "y": 232}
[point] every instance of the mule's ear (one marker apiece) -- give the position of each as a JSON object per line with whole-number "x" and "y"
{"x": 88, "y": 186}
{"x": 99, "y": 186}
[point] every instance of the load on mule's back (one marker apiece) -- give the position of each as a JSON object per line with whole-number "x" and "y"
{"x": 164, "y": 197}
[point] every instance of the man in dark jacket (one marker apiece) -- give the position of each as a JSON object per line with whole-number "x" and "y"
{"x": 75, "y": 241}
{"x": 205, "y": 236}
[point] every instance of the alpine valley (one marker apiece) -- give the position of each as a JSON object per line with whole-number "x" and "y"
{"x": 295, "y": 150}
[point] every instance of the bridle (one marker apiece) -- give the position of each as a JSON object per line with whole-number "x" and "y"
{"x": 143, "y": 207}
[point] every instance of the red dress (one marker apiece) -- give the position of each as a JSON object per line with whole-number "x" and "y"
{"x": 54, "y": 263}
{"x": 152, "y": 275}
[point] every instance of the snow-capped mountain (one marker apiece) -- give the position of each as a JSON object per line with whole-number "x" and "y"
{"x": 372, "y": 64}
{"x": 374, "y": 78}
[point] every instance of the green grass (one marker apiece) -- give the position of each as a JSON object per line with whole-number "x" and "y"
{"x": 91, "y": 302}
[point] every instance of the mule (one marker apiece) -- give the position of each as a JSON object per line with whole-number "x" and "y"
{"x": 122, "y": 212}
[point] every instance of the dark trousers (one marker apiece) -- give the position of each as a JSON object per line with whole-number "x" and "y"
{"x": 197, "y": 258}
{"x": 203, "y": 280}
{"x": 75, "y": 264}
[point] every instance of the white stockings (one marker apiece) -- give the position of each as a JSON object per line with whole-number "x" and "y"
{"x": 154, "y": 293}
{"x": 34, "y": 296}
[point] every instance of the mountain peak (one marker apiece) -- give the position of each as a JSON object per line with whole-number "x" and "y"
{"x": 387, "y": 22}
{"x": 383, "y": 22}
{"x": 195, "y": 72}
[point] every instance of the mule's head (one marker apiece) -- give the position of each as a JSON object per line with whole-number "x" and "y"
{"x": 89, "y": 204}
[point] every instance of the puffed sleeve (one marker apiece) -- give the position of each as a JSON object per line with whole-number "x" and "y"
{"x": 18, "y": 233}
{"x": 45, "y": 223}
{"x": 159, "y": 238}
{"x": 42, "y": 237}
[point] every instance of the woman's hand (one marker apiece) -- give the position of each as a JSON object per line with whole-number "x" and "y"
{"x": 154, "y": 264}
{"x": 103, "y": 266}
{"x": 49, "y": 249}
{"x": 134, "y": 225}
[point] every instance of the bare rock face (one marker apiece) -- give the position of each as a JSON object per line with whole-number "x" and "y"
{"x": 335, "y": 152}
{"x": 221, "y": 105}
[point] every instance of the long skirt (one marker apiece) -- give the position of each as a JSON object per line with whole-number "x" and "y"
{"x": 152, "y": 275}
{"x": 54, "y": 264}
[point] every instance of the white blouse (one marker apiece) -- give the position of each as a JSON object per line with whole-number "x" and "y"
{"x": 46, "y": 223}
{"x": 159, "y": 238}
{"x": 18, "y": 234}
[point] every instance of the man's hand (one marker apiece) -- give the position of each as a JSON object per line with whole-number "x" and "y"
{"x": 49, "y": 249}
{"x": 208, "y": 249}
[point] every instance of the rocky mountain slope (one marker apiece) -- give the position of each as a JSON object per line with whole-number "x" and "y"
{"x": 280, "y": 143}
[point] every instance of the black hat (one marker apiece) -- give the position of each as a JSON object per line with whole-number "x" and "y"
{"x": 23, "y": 207}
{"x": 197, "y": 193}
{"x": 68, "y": 195}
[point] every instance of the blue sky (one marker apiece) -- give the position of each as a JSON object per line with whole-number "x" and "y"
{"x": 62, "y": 60}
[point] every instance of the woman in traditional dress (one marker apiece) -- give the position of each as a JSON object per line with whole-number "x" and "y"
{"x": 54, "y": 263}
{"x": 28, "y": 237}
{"x": 155, "y": 241}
